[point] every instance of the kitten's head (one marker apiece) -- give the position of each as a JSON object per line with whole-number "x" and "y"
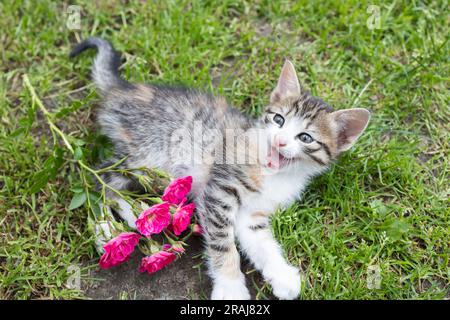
{"x": 302, "y": 128}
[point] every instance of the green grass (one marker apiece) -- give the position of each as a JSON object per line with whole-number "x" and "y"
{"x": 385, "y": 202}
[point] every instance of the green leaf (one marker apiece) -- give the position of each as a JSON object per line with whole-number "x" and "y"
{"x": 77, "y": 201}
{"x": 18, "y": 132}
{"x": 95, "y": 208}
{"x": 94, "y": 197}
{"x": 78, "y": 155}
{"x": 79, "y": 142}
{"x": 379, "y": 207}
{"x": 39, "y": 181}
{"x": 155, "y": 200}
{"x": 77, "y": 189}
{"x": 395, "y": 228}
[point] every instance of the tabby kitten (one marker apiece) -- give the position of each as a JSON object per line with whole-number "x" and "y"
{"x": 243, "y": 169}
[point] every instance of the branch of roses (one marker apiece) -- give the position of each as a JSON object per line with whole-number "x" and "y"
{"x": 84, "y": 167}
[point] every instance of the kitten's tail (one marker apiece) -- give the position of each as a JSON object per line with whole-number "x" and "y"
{"x": 105, "y": 69}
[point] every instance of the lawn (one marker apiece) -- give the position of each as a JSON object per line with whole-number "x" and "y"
{"x": 376, "y": 226}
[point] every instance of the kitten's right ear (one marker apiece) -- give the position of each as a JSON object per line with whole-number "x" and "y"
{"x": 351, "y": 123}
{"x": 288, "y": 85}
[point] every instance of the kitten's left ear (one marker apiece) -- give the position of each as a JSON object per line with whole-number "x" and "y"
{"x": 350, "y": 123}
{"x": 288, "y": 85}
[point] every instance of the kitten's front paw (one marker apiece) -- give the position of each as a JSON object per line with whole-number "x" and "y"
{"x": 230, "y": 290}
{"x": 103, "y": 233}
{"x": 286, "y": 282}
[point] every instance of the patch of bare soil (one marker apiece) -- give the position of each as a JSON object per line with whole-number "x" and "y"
{"x": 185, "y": 279}
{"x": 180, "y": 280}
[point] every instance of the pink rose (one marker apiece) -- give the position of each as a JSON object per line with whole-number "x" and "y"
{"x": 119, "y": 249}
{"x": 177, "y": 190}
{"x": 154, "y": 219}
{"x": 197, "y": 229}
{"x": 166, "y": 247}
{"x": 182, "y": 218}
{"x": 156, "y": 261}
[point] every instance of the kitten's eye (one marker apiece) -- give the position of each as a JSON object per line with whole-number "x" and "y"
{"x": 278, "y": 119}
{"x": 305, "y": 138}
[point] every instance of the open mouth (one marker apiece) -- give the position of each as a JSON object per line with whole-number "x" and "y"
{"x": 275, "y": 160}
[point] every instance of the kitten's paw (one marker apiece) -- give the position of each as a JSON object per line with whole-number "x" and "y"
{"x": 230, "y": 290}
{"x": 102, "y": 235}
{"x": 286, "y": 282}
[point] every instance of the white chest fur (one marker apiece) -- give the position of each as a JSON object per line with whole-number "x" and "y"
{"x": 278, "y": 191}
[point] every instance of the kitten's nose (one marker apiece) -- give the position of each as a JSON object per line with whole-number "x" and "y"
{"x": 279, "y": 142}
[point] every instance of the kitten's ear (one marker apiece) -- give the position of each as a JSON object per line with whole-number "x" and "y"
{"x": 351, "y": 124}
{"x": 288, "y": 85}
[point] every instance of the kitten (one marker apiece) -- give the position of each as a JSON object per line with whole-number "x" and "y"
{"x": 243, "y": 169}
